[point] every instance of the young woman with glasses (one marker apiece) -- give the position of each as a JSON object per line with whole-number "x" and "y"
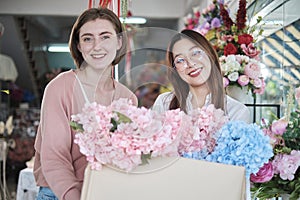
{"x": 195, "y": 74}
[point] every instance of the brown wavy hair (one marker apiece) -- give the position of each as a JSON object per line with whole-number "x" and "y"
{"x": 90, "y": 15}
{"x": 181, "y": 88}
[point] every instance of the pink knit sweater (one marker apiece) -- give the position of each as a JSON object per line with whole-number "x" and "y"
{"x": 58, "y": 161}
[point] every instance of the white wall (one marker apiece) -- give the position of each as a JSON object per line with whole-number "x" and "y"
{"x": 147, "y": 8}
{"x": 43, "y": 7}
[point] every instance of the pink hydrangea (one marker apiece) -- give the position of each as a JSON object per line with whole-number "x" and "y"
{"x": 199, "y": 129}
{"x": 286, "y": 164}
{"x": 139, "y": 131}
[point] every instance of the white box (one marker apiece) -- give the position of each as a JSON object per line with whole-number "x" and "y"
{"x": 167, "y": 179}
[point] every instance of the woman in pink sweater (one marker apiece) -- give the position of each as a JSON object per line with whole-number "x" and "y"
{"x": 96, "y": 44}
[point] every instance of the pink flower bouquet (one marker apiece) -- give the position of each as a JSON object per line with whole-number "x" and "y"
{"x": 199, "y": 130}
{"x": 123, "y": 135}
{"x": 242, "y": 71}
{"x": 232, "y": 37}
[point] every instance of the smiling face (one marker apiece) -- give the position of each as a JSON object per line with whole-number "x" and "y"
{"x": 191, "y": 62}
{"x": 98, "y": 43}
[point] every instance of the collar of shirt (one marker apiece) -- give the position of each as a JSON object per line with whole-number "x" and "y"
{"x": 189, "y": 101}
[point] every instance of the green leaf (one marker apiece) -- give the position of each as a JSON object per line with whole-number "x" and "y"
{"x": 121, "y": 119}
{"x": 76, "y": 126}
{"x": 259, "y": 19}
{"x": 292, "y": 133}
{"x": 114, "y": 123}
{"x": 145, "y": 158}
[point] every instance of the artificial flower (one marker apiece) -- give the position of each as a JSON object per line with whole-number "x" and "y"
{"x": 2, "y": 127}
{"x": 211, "y": 19}
{"x": 264, "y": 174}
{"x": 252, "y": 70}
{"x": 230, "y": 49}
{"x": 238, "y": 143}
{"x": 284, "y": 136}
{"x": 245, "y": 39}
{"x": 234, "y": 76}
{"x": 286, "y": 165}
{"x": 7, "y": 127}
{"x": 257, "y": 82}
{"x": 279, "y": 126}
{"x": 215, "y": 23}
{"x": 260, "y": 90}
{"x": 243, "y": 80}
{"x": 122, "y": 134}
{"x": 233, "y": 37}
{"x": 200, "y": 128}
{"x": 225, "y": 82}
{"x": 242, "y": 144}
{"x": 250, "y": 50}
{"x": 243, "y": 71}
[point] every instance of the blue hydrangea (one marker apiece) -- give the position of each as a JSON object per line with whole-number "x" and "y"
{"x": 239, "y": 144}
{"x": 196, "y": 155}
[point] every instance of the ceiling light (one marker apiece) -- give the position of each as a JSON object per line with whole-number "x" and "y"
{"x": 58, "y": 48}
{"x": 133, "y": 20}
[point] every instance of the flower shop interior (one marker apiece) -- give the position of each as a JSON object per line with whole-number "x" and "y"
{"x": 28, "y": 30}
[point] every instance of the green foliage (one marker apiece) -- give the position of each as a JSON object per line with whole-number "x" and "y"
{"x": 292, "y": 134}
{"x": 291, "y": 137}
{"x": 145, "y": 158}
{"x": 276, "y": 187}
{"x": 76, "y": 126}
{"x": 121, "y": 119}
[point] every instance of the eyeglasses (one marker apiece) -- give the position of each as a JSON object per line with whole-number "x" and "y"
{"x": 181, "y": 61}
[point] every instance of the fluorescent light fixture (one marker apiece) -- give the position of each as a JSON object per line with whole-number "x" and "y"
{"x": 58, "y": 48}
{"x": 133, "y": 20}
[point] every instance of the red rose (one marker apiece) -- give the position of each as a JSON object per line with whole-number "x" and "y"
{"x": 245, "y": 39}
{"x": 230, "y": 49}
